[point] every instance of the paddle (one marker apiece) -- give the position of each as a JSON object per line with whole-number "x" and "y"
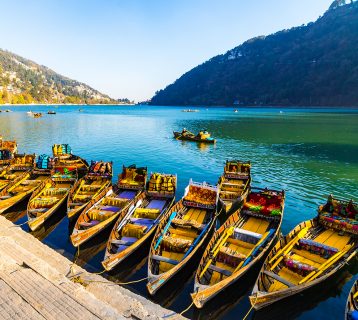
{"x": 279, "y": 255}
{"x": 196, "y": 240}
{"x": 314, "y": 274}
{"x": 262, "y": 242}
{"x": 216, "y": 249}
{"x": 172, "y": 216}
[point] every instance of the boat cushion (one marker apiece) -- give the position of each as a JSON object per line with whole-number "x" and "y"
{"x": 338, "y": 222}
{"x": 201, "y": 195}
{"x": 127, "y": 194}
{"x": 298, "y": 266}
{"x": 146, "y": 213}
{"x": 176, "y": 244}
{"x": 100, "y": 215}
{"x": 317, "y": 248}
{"x": 89, "y": 223}
{"x": 156, "y": 204}
{"x": 246, "y": 235}
{"x": 143, "y": 222}
{"x": 263, "y": 204}
{"x": 134, "y": 230}
{"x": 188, "y": 223}
{"x": 230, "y": 257}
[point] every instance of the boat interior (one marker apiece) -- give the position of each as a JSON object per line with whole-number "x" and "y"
{"x": 315, "y": 249}
{"x": 86, "y": 190}
{"x": 140, "y": 223}
{"x": 27, "y": 183}
{"x": 182, "y": 235}
{"x": 47, "y": 198}
{"x": 106, "y": 208}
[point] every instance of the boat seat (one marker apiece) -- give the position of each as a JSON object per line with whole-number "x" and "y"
{"x": 124, "y": 242}
{"x": 278, "y": 278}
{"x": 218, "y": 269}
{"x": 183, "y": 233}
{"x": 245, "y": 250}
{"x": 310, "y": 256}
{"x": 287, "y": 275}
{"x": 165, "y": 266}
{"x": 240, "y": 243}
{"x": 337, "y": 241}
{"x": 256, "y": 225}
{"x": 195, "y": 214}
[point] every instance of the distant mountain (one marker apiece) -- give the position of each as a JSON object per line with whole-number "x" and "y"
{"x": 24, "y": 81}
{"x": 311, "y": 65}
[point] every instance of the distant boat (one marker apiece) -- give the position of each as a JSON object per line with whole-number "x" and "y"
{"x": 7, "y": 110}
{"x": 29, "y": 113}
{"x": 190, "y": 110}
{"x": 37, "y": 115}
{"x": 51, "y": 112}
{"x": 80, "y": 110}
{"x": 236, "y": 110}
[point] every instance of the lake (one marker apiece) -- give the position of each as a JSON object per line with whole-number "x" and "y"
{"x": 308, "y": 152}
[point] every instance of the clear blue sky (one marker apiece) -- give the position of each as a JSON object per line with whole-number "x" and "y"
{"x": 131, "y": 48}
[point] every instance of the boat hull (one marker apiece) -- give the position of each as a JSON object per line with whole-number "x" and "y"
{"x": 179, "y": 136}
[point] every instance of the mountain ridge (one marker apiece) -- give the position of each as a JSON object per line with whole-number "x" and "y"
{"x": 311, "y": 65}
{"x": 23, "y": 81}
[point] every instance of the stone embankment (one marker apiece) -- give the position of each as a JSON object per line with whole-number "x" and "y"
{"x": 35, "y": 283}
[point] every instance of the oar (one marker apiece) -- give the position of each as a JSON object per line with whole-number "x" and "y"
{"x": 262, "y": 242}
{"x": 129, "y": 214}
{"x": 314, "y": 274}
{"x": 197, "y": 240}
{"x": 216, "y": 249}
{"x": 18, "y": 183}
{"x": 279, "y": 255}
{"x": 172, "y": 216}
{"x": 78, "y": 190}
{"x": 254, "y": 249}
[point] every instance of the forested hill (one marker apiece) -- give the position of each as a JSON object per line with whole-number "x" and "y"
{"x": 311, "y": 65}
{"x": 24, "y": 81}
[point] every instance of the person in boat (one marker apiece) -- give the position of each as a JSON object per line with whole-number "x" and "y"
{"x": 184, "y": 132}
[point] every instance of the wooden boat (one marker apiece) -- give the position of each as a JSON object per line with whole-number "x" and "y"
{"x": 21, "y": 189}
{"x": 352, "y": 303}
{"x": 136, "y": 229}
{"x": 49, "y": 197}
{"x": 202, "y": 136}
{"x": 63, "y": 157}
{"x": 116, "y": 200}
{"x": 7, "y": 151}
{"x": 19, "y": 165}
{"x": 182, "y": 235}
{"x": 37, "y": 114}
{"x": 234, "y": 184}
{"x": 51, "y": 112}
{"x": 240, "y": 244}
{"x": 310, "y": 254}
{"x": 89, "y": 187}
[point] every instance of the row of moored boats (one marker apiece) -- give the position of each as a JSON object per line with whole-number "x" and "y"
{"x": 181, "y": 235}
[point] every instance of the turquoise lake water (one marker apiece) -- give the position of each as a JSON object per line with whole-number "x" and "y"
{"x": 309, "y": 153}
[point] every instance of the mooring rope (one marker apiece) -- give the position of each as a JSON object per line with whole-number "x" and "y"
{"x": 253, "y": 305}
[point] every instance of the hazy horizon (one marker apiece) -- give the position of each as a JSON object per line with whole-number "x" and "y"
{"x": 130, "y": 49}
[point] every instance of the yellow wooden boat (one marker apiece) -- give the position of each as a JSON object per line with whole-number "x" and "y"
{"x": 352, "y": 303}
{"x": 136, "y": 229}
{"x": 89, "y": 187}
{"x": 19, "y": 165}
{"x": 120, "y": 198}
{"x": 7, "y": 152}
{"x": 182, "y": 236}
{"x": 21, "y": 189}
{"x": 49, "y": 197}
{"x": 311, "y": 253}
{"x": 63, "y": 157}
{"x": 240, "y": 244}
{"x": 234, "y": 184}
